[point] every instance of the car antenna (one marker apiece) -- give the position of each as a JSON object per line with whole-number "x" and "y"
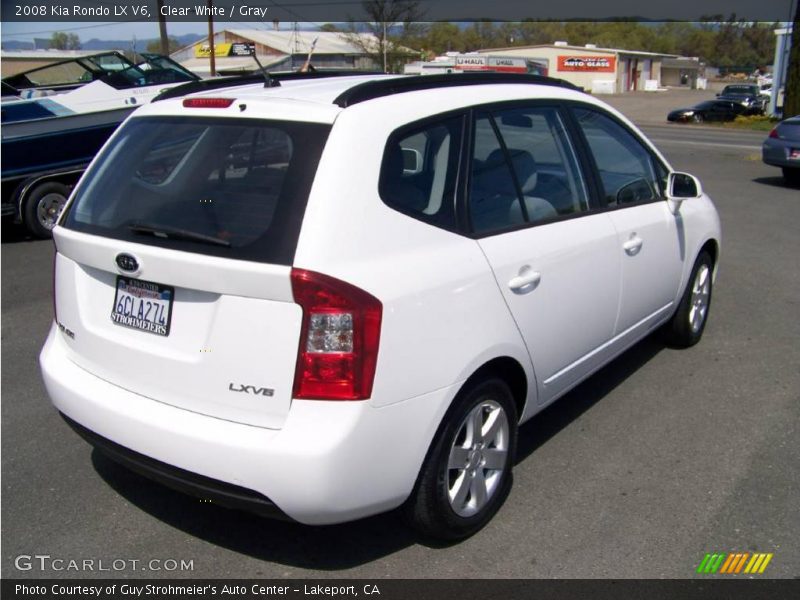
{"x": 268, "y": 80}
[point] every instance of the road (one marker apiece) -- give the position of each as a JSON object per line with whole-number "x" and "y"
{"x": 659, "y": 458}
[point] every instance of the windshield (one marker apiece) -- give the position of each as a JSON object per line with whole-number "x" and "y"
{"x": 234, "y": 188}
{"x": 739, "y": 89}
{"x": 150, "y": 72}
{"x": 70, "y": 72}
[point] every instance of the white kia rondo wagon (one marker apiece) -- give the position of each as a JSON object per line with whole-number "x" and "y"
{"x": 326, "y": 297}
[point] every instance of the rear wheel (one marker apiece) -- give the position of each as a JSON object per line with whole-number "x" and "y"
{"x": 791, "y": 175}
{"x": 689, "y": 321}
{"x": 467, "y": 473}
{"x": 43, "y": 206}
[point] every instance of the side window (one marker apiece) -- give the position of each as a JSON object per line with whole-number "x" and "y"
{"x": 493, "y": 191}
{"x": 628, "y": 172}
{"x": 418, "y": 174}
{"x": 528, "y": 174}
{"x": 544, "y": 162}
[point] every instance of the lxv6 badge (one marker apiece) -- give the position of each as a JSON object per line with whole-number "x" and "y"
{"x": 250, "y": 389}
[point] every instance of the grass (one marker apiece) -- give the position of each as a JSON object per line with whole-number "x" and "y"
{"x": 752, "y": 123}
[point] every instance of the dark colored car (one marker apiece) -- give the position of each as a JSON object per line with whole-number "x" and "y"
{"x": 747, "y": 94}
{"x": 710, "y": 110}
{"x": 782, "y": 149}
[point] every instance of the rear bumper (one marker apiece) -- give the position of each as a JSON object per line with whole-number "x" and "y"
{"x": 331, "y": 462}
{"x": 206, "y": 488}
{"x": 776, "y": 153}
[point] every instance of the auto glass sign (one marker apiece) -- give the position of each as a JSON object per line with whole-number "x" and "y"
{"x": 602, "y": 64}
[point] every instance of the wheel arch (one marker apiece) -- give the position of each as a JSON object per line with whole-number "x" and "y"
{"x": 712, "y": 247}
{"x": 509, "y": 370}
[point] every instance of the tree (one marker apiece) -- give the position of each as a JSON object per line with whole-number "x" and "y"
{"x": 791, "y": 97}
{"x": 384, "y": 16}
{"x": 172, "y": 45}
{"x": 65, "y": 41}
{"x": 329, "y": 27}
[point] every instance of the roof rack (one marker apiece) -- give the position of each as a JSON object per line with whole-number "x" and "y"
{"x": 249, "y": 79}
{"x": 397, "y": 85}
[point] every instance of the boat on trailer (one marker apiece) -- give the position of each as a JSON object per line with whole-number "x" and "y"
{"x": 55, "y": 122}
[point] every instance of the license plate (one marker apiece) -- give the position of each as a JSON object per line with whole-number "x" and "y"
{"x": 794, "y": 153}
{"x": 143, "y": 305}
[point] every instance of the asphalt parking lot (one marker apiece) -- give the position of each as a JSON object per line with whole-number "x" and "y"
{"x": 661, "y": 457}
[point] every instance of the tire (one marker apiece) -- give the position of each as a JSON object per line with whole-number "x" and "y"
{"x": 451, "y": 503}
{"x": 697, "y": 118}
{"x": 42, "y": 207}
{"x": 686, "y": 326}
{"x": 791, "y": 175}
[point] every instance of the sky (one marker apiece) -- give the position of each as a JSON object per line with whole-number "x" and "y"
{"x": 103, "y": 31}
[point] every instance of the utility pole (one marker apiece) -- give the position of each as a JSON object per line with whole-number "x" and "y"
{"x": 385, "y": 43}
{"x": 212, "y": 62}
{"x": 162, "y": 29}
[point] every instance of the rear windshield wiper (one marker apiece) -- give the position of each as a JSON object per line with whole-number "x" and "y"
{"x": 176, "y": 233}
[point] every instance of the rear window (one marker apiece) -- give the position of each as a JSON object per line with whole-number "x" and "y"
{"x": 225, "y": 187}
{"x": 739, "y": 89}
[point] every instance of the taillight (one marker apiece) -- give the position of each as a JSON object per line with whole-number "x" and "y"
{"x": 207, "y": 102}
{"x": 339, "y": 338}
{"x": 774, "y": 133}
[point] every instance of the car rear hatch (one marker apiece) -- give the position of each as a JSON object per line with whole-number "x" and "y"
{"x": 174, "y": 260}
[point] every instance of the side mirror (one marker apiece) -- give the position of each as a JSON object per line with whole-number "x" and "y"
{"x": 412, "y": 161}
{"x": 680, "y": 187}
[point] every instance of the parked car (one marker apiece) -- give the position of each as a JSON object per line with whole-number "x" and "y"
{"x": 710, "y": 110}
{"x": 782, "y": 149}
{"x": 328, "y": 299}
{"x": 748, "y": 95}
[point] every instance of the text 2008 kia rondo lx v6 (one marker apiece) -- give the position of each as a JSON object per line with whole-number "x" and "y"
{"x": 332, "y": 297}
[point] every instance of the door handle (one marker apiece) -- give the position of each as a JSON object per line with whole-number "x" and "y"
{"x": 633, "y": 245}
{"x": 526, "y": 281}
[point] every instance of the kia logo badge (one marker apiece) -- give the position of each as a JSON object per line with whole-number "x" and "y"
{"x": 128, "y": 263}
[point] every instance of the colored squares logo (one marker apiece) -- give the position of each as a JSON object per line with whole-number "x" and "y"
{"x": 734, "y": 563}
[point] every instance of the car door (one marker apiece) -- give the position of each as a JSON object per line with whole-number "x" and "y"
{"x": 555, "y": 260}
{"x": 650, "y": 237}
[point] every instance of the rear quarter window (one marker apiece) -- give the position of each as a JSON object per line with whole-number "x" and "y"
{"x": 419, "y": 171}
{"x": 234, "y": 188}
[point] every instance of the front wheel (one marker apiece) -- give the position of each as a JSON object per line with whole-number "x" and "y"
{"x": 697, "y": 118}
{"x": 689, "y": 321}
{"x": 43, "y": 206}
{"x": 467, "y": 473}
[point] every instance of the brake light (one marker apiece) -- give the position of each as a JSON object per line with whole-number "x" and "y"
{"x": 339, "y": 339}
{"x": 207, "y": 102}
{"x": 774, "y": 133}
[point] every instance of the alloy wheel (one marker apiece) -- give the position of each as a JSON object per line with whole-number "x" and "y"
{"x": 477, "y": 459}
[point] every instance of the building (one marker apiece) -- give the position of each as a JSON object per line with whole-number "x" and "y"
{"x": 17, "y": 61}
{"x": 609, "y": 70}
{"x": 278, "y": 51}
